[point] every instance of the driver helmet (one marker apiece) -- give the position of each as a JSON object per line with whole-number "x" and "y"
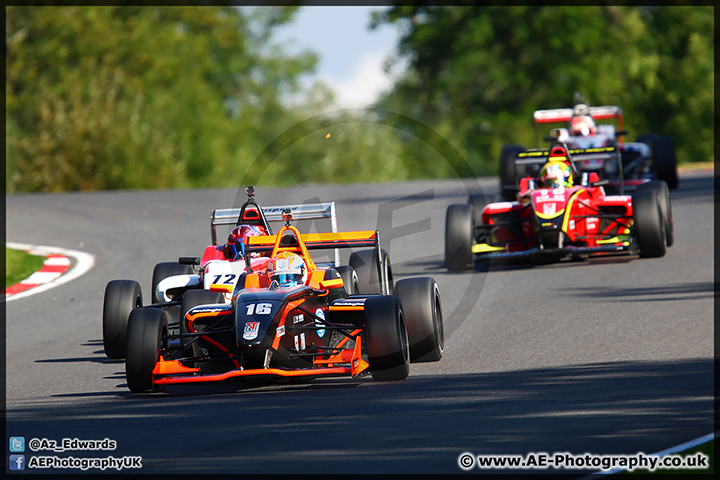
{"x": 556, "y": 175}
{"x": 288, "y": 269}
{"x": 236, "y": 239}
{"x": 582, "y": 126}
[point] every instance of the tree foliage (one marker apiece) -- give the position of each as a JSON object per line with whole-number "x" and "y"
{"x": 123, "y": 97}
{"x": 141, "y": 97}
{"x": 478, "y": 72}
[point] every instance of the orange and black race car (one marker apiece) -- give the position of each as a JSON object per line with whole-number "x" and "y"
{"x": 292, "y": 320}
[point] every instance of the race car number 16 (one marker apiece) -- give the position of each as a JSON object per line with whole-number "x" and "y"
{"x": 259, "y": 308}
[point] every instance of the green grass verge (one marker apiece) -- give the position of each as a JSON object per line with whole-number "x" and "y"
{"x": 19, "y": 265}
{"x": 707, "y": 448}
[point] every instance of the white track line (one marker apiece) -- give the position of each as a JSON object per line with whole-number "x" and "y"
{"x": 83, "y": 263}
{"x": 675, "y": 449}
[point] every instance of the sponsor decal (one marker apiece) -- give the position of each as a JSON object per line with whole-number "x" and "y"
{"x": 302, "y": 341}
{"x": 251, "y": 330}
{"x": 297, "y": 343}
{"x": 351, "y": 303}
{"x": 591, "y": 223}
{"x": 280, "y": 331}
{"x": 548, "y": 208}
{"x": 319, "y": 313}
{"x": 572, "y": 224}
{"x": 298, "y": 318}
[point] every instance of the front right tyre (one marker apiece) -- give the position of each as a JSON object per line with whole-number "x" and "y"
{"x": 146, "y": 328}
{"x": 121, "y": 298}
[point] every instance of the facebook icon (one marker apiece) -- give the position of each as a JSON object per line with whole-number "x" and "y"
{"x": 17, "y": 462}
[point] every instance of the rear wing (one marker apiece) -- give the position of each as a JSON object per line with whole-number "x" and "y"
{"x": 302, "y": 243}
{"x": 308, "y": 211}
{"x": 533, "y": 157}
{"x": 563, "y": 115}
{"x": 540, "y": 157}
{"x": 558, "y": 115}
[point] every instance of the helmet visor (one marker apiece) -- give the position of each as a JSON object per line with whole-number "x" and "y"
{"x": 288, "y": 279}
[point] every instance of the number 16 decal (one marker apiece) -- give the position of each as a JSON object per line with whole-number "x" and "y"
{"x": 258, "y": 308}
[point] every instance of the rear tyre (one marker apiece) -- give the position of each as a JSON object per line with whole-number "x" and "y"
{"x": 508, "y": 171}
{"x": 387, "y": 340}
{"x": 662, "y": 150}
{"x": 648, "y": 226}
{"x": 350, "y": 279}
{"x": 661, "y": 190}
{"x": 121, "y": 298}
{"x": 364, "y": 263}
{"x": 164, "y": 270}
{"x": 459, "y": 229}
{"x": 422, "y": 310}
{"x": 146, "y": 327}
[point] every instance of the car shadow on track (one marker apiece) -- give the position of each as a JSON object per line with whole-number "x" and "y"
{"x": 419, "y": 425}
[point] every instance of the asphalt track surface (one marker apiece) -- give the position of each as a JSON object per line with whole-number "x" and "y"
{"x": 607, "y": 356}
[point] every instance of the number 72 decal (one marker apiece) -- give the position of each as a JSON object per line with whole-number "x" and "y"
{"x": 229, "y": 278}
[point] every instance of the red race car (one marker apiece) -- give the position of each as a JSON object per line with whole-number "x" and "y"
{"x": 560, "y": 212}
{"x": 650, "y": 157}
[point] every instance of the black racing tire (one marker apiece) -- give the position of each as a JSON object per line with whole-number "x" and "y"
{"x": 661, "y": 190}
{"x": 164, "y": 270}
{"x": 121, "y": 298}
{"x": 662, "y": 151}
{"x": 350, "y": 279}
{"x": 146, "y": 328}
{"x": 508, "y": 171}
{"x": 387, "y": 340}
{"x": 459, "y": 232}
{"x": 364, "y": 263}
{"x": 478, "y": 202}
{"x": 648, "y": 228}
{"x": 422, "y": 310}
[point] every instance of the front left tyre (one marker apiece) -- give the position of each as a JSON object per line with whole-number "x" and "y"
{"x": 422, "y": 312}
{"x": 648, "y": 228}
{"x": 387, "y": 340}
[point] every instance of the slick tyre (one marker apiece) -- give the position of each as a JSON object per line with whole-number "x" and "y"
{"x": 350, "y": 279}
{"x": 662, "y": 150}
{"x": 365, "y": 264}
{"x": 146, "y": 328}
{"x": 477, "y": 201}
{"x": 121, "y": 298}
{"x": 422, "y": 311}
{"x": 459, "y": 229}
{"x": 164, "y": 270}
{"x": 387, "y": 340}
{"x": 648, "y": 226}
{"x": 661, "y": 190}
{"x": 508, "y": 171}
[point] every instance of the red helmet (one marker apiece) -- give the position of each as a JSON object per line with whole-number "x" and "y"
{"x": 582, "y": 126}
{"x": 236, "y": 239}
